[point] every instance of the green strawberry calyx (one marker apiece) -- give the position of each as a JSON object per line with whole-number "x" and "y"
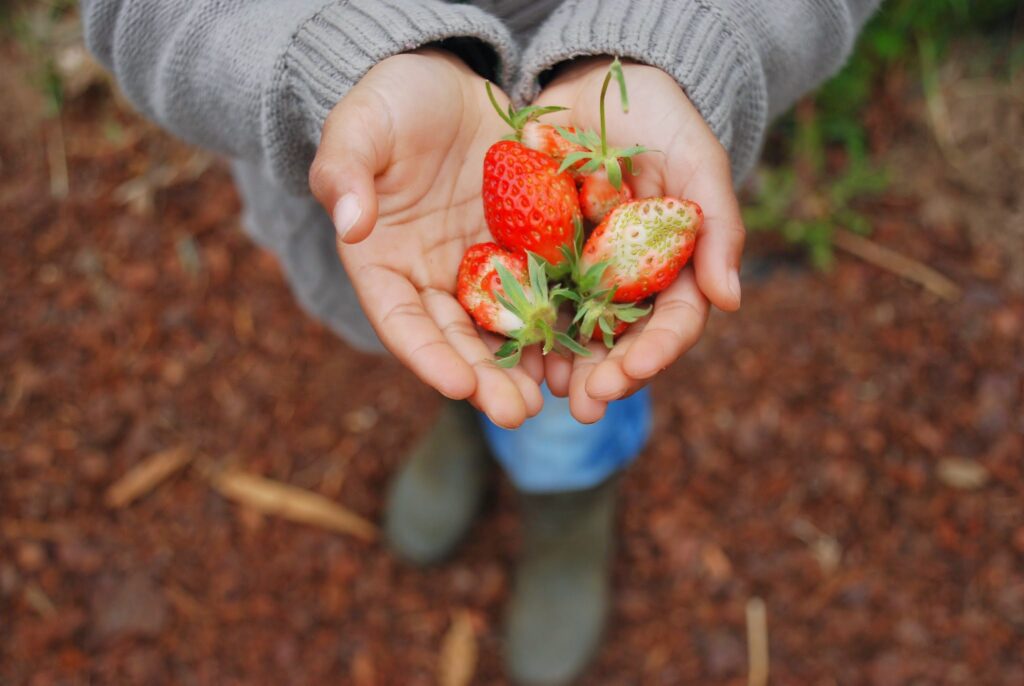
{"x": 597, "y": 152}
{"x": 537, "y": 308}
{"x": 518, "y": 119}
{"x": 593, "y": 301}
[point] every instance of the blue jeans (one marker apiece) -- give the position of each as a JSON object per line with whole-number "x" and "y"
{"x": 553, "y": 452}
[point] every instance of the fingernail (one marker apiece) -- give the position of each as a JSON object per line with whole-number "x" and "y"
{"x": 347, "y": 213}
{"x": 734, "y": 284}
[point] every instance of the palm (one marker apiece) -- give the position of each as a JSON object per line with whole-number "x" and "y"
{"x": 428, "y": 125}
{"x": 429, "y": 192}
{"x": 689, "y": 162}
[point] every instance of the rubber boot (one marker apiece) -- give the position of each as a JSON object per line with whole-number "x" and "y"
{"x": 559, "y": 604}
{"x": 436, "y": 495}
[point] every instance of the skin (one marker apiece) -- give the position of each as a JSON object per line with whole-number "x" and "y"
{"x": 692, "y": 164}
{"x": 428, "y": 111}
{"x": 409, "y": 141}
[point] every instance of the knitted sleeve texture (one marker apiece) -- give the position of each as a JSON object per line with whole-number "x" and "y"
{"x": 741, "y": 62}
{"x": 255, "y": 79}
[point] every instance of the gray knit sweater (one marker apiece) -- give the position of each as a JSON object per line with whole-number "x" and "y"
{"x": 255, "y": 79}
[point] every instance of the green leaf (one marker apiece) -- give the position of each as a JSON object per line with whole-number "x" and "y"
{"x": 611, "y": 167}
{"x": 572, "y": 158}
{"x": 537, "y": 269}
{"x": 609, "y": 339}
{"x": 504, "y": 302}
{"x": 569, "y": 135}
{"x": 509, "y": 360}
{"x": 573, "y": 346}
{"x": 562, "y": 293}
{"x": 513, "y": 289}
{"x": 616, "y": 71}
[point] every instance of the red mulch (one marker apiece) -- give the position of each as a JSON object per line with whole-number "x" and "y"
{"x": 795, "y": 459}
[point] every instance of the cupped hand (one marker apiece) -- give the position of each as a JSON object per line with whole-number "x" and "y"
{"x": 399, "y": 168}
{"x": 690, "y": 163}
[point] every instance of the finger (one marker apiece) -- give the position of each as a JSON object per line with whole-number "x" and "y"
{"x": 585, "y": 409}
{"x": 720, "y": 239}
{"x": 608, "y": 381}
{"x": 528, "y": 385}
{"x": 498, "y": 395}
{"x": 397, "y": 314}
{"x": 557, "y": 370}
{"x": 355, "y": 146}
{"x": 533, "y": 363}
{"x": 680, "y": 313}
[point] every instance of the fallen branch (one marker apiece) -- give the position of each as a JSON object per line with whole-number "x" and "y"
{"x": 898, "y": 264}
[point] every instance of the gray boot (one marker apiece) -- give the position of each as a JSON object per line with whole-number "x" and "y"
{"x": 559, "y": 605}
{"x": 434, "y": 498}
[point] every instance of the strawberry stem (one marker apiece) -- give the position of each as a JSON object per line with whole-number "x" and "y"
{"x": 517, "y": 119}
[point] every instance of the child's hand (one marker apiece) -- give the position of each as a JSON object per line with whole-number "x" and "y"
{"x": 691, "y": 164}
{"x": 400, "y": 169}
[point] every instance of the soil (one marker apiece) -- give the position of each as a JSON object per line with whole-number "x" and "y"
{"x": 847, "y": 448}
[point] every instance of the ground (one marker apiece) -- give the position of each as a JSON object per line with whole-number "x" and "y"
{"x": 847, "y": 448}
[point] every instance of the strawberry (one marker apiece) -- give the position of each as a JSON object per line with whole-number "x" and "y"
{"x": 599, "y": 164}
{"x": 478, "y": 284}
{"x": 507, "y": 293}
{"x": 546, "y": 139}
{"x": 598, "y": 196}
{"x": 528, "y": 203}
{"x": 640, "y": 247}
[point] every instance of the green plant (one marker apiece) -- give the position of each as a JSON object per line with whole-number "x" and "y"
{"x": 802, "y": 197}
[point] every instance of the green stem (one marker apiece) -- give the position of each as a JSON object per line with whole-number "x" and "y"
{"x": 497, "y": 108}
{"x": 604, "y": 91}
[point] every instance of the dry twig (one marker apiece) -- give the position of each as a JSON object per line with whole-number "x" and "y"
{"x": 284, "y": 500}
{"x": 757, "y": 642}
{"x": 898, "y": 264}
{"x": 458, "y": 652}
{"x": 144, "y": 477}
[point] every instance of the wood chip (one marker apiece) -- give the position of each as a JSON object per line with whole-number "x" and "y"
{"x": 757, "y": 642}
{"x": 146, "y": 475}
{"x": 962, "y": 473}
{"x": 458, "y": 652}
{"x": 290, "y": 502}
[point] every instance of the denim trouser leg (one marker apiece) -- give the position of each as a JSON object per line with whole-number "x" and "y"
{"x": 553, "y": 452}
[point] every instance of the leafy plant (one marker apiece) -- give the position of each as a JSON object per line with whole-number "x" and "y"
{"x": 800, "y": 196}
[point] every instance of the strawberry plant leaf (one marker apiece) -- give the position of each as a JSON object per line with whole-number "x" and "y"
{"x": 508, "y": 355}
{"x": 609, "y": 339}
{"x": 513, "y": 289}
{"x": 572, "y": 158}
{"x": 616, "y": 70}
{"x": 611, "y": 167}
{"x": 574, "y": 347}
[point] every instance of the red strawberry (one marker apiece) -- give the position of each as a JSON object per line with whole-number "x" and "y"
{"x": 598, "y": 196}
{"x": 507, "y": 293}
{"x": 478, "y": 284}
{"x": 644, "y": 244}
{"x": 528, "y": 203}
{"x": 546, "y": 139}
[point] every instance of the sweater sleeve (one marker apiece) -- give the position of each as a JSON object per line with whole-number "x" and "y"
{"x": 255, "y": 79}
{"x": 741, "y": 62}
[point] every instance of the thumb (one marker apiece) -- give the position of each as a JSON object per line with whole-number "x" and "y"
{"x": 354, "y": 148}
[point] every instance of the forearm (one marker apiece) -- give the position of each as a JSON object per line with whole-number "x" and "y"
{"x": 255, "y": 80}
{"x": 741, "y": 62}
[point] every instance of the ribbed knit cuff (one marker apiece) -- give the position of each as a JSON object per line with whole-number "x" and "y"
{"x": 710, "y": 57}
{"x": 334, "y": 49}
